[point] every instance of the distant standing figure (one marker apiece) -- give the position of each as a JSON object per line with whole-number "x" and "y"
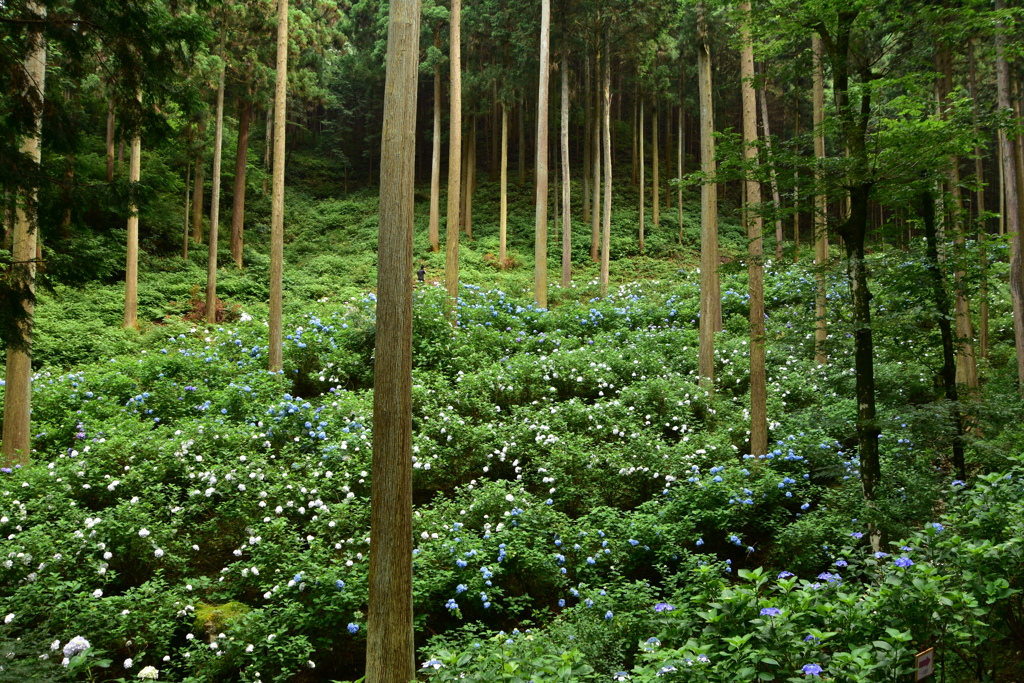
{"x": 421, "y": 273}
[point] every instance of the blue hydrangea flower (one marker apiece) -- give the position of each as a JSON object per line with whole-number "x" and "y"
{"x": 904, "y": 562}
{"x": 811, "y": 669}
{"x": 785, "y": 574}
{"x": 770, "y": 611}
{"x": 353, "y": 628}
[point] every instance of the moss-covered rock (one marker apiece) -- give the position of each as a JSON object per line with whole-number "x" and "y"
{"x": 213, "y": 619}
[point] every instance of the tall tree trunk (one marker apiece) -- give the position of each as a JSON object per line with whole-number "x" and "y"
{"x": 966, "y": 365}
{"x": 634, "y": 127}
{"x": 566, "y": 208}
{"x": 595, "y": 155}
{"x": 131, "y": 275}
{"x": 503, "y": 216}
{"x": 469, "y": 178}
{"x": 606, "y": 234}
{"x": 435, "y": 158}
{"x": 979, "y": 173}
{"x": 276, "y": 341}
{"x": 643, "y": 185}
{"x": 390, "y": 642}
{"x": 949, "y": 380}
{"x": 241, "y": 165}
{"x": 758, "y": 383}
{"x": 110, "y": 139}
{"x": 680, "y": 141}
{"x": 540, "y": 246}
{"x": 820, "y": 210}
{"x": 1012, "y": 198}
{"x": 796, "y": 184}
{"x": 492, "y": 167}
{"x": 588, "y": 148}
{"x": 17, "y": 431}
{"x": 655, "y": 171}
{"x": 776, "y": 199}
{"x": 198, "y": 194}
{"x": 188, "y": 198}
{"x": 522, "y": 142}
{"x": 213, "y": 238}
{"x": 451, "y": 247}
{"x": 708, "y": 211}
{"x": 268, "y": 149}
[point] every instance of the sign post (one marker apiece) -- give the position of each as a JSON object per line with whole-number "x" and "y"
{"x": 924, "y": 664}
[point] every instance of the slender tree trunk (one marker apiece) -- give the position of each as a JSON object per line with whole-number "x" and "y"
{"x": 522, "y": 142}
{"x": 198, "y": 192}
{"x": 656, "y": 172}
{"x": 708, "y": 212}
{"x": 540, "y": 248}
{"x": 276, "y": 341}
{"x": 820, "y": 210}
{"x": 241, "y": 165}
{"x": 188, "y": 197}
{"x": 435, "y": 158}
{"x": 636, "y": 117}
{"x": 606, "y": 235}
{"x": 390, "y": 642}
{"x": 17, "y": 428}
{"x": 268, "y": 149}
{"x": 110, "y": 139}
{"x": 758, "y": 382}
{"x": 469, "y": 179}
{"x": 680, "y": 141}
{"x": 588, "y": 125}
{"x": 451, "y": 248}
{"x": 979, "y": 173}
{"x": 120, "y": 156}
{"x": 949, "y": 380}
{"x": 503, "y": 216}
{"x": 776, "y": 199}
{"x": 595, "y": 155}
{"x": 1012, "y": 198}
{"x": 566, "y": 208}
{"x": 492, "y": 167}
{"x": 643, "y": 185}
{"x": 1000, "y": 134}
{"x": 213, "y": 238}
{"x": 131, "y": 275}
{"x": 796, "y": 184}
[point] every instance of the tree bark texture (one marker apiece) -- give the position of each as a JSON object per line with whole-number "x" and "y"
{"x": 540, "y": 244}
{"x": 451, "y": 247}
{"x": 758, "y": 382}
{"x": 198, "y": 194}
{"x": 820, "y": 210}
{"x": 708, "y": 212}
{"x": 566, "y": 208}
{"x": 776, "y": 199}
{"x": 435, "y": 157}
{"x": 503, "y": 215}
{"x": 606, "y": 98}
{"x": 276, "y": 343}
{"x": 655, "y": 170}
{"x": 979, "y": 174}
{"x": 17, "y": 432}
{"x": 595, "y": 155}
{"x": 212, "y": 238}
{"x": 643, "y": 184}
{"x": 588, "y": 124}
{"x": 131, "y": 271}
{"x": 110, "y": 139}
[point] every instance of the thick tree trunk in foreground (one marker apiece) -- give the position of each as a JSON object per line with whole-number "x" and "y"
{"x": 540, "y": 244}
{"x": 390, "y": 646}
{"x": 1012, "y": 214}
{"x": 451, "y": 247}
{"x": 566, "y": 208}
{"x": 276, "y": 343}
{"x": 131, "y": 274}
{"x": 212, "y": 238}
{"x": 606, "y": 234}
{"x": 241, "y": 165}
{"x": 709, "y": 308}
{"x": 820, "y": 209}
{"x": 17, "y": 432}
{"x": 435, "y": 158}
{"x": 758, "y": 384}
{"x": 949, "y": 369}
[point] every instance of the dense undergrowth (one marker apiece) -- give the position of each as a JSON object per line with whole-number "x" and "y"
{"x": 583, "y": 509}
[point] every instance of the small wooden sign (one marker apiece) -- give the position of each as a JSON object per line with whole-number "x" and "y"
{"x": 924, "y": 664}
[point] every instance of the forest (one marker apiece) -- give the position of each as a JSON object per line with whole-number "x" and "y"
{"x": 664, "y": 340}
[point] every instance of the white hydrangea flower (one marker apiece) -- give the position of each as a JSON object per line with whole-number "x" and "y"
{"x": 149, "y": 673}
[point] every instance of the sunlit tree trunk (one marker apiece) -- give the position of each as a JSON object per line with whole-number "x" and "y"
{"x": 268, "y": 149}
{"x": 390, "y": 642}
{"x": 17, "y": 432}
{"x": 708, "y": 212}
{"x": 758, "y": 386}
{"x": 451, "y": 247}
{"x": 606, "y": 235}
{"x": 131, "y": 272}
{"x": 241, "y": 165}
{"x": 540, "y": 247}
{"x": 820, "y": 209}
{"x": 212, "y": 238}
{"x": 776, "y": 199}
{"x": 1012, "y": 198}
{"x": 276, "y": 342}
{"x": 435, "y": 157}
{"x": 566, "y": 218}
